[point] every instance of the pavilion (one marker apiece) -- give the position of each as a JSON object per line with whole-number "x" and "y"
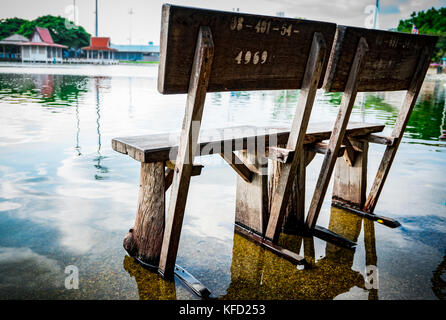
{"x": 10, "y": 47}
{"x": 100, "y": 49}
{"x": 42, "y": 48}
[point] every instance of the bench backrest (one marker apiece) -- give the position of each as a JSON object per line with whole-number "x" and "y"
{"x": 252, "y": 52}
{"x": 390, "y": 62}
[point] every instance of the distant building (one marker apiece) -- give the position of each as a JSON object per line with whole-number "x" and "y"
{"x": 100, "y": 49}
{"x": 42, "y": 48}
{"x": 148, "y": 52}
{"x": 11, "y": 47}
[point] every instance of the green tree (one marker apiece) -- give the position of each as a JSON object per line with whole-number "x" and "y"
{"x": 10, "y": 26}
{"x": 430, "y": 22}
{"x": 62, "y": 31}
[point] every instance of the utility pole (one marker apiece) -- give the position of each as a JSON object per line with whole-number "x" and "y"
{"x": 96, "y": 13}
{"x": 375, "y": 20}
{"x": 130, "y": 31}
{"x": 74, "y": 11}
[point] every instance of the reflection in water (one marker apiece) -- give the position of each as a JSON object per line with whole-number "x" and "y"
{"x": 49, "y": 168}
{"x": 439, "y": 280}
{"x": 259, "y": 274}
{"x": 150, "y": 285}
{"x": 78, "y": 129}
{"x": 100, "y": 83}
{"x": 426, "y": 121}
{"x": 47, "y": 89}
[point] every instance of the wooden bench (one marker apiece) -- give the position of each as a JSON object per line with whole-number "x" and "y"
{"x": 211, "y": 51}
{"x": 362, "y": 60}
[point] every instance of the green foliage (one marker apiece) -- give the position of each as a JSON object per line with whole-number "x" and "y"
{"x": 10, "y": 26}
{"x": 430, "y": 22}
{"x": 62, "y": 31}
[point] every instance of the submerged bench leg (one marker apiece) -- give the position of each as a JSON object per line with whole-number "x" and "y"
{"x": 144, "y": 240}
{"x": 350, "y": 181}
{"x": 313, "y": 71}
{"x": 295, "y": 209}
{"x": 398, "y": 131}
{"x": 337, "y": 135}
{"x": 199, "y": 80}
{"x": 251, "y": 210}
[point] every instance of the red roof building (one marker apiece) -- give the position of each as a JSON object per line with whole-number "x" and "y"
{"x": 99, "y": 48}
{"x": 42, "y": 47}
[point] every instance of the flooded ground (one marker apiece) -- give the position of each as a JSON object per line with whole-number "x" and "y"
{"x": 66, "y": 198}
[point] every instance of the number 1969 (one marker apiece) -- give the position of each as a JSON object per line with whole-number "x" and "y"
{"x": 248, "y": 57}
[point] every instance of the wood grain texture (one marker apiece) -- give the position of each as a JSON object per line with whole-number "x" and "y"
{"x": 350, "y": 179}
{"x": 403, "y": 117}
{"x": 285, "y": 42}
{"x": 251, "y": 209}
{"x": 282, "y": 192}
{"x": 391, "y": 59}
{"x": 164, "y": 147}
{"x": 338, "y": 134}
{"x": 237, "y": 164}
{"x": 294, "y": 216}
{"x": 378, "y": 139}
{"x": 199, "y": 79}
{"x": 145, "y": 238}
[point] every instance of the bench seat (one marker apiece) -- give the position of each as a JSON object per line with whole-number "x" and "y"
{"x": 163, "y": 147}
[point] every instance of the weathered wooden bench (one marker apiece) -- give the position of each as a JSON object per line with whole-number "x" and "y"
{"x": 210, "y": 51}
{"x": 361, "y": 60}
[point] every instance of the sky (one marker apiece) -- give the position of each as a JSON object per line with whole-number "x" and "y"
{"x": 138, "y": 21}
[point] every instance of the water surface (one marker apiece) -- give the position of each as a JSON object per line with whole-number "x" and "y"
{"x": 66, "y": 198}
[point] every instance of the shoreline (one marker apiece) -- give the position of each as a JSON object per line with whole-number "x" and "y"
{"x": 125, "y": 69}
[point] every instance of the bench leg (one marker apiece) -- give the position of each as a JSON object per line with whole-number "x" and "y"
{"x": 398, "y": 131}
{"x": 252, "y": 197}
{"x": 350, "y": 182}
{"x": 187, "y": 148}
{"x": 295, "y": 209}
{"x": 313, "y": 71}
{"x": 337, "y": 135}
{"x": 145, "y": 238}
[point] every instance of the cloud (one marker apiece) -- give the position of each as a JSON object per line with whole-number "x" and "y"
{"x": 15, "y": 266}
{"x": 347, "y": 12}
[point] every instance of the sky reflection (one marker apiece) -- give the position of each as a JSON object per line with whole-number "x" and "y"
{"x": 67, "y": 198}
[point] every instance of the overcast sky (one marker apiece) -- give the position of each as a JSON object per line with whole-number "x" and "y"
{"x": 144, "y": 24}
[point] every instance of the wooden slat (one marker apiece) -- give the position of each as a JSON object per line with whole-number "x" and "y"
{"x": 237, "y": 164}
{"x": 168, "y": 178}
{"x": 294, "y": 217}
{"x": 332, "y": 237}
{"x": 278, "y": 49}
{"x": 296, "y": 139}
{"x": 350, "y": 178}
{"x": 251, "y": 199}
{"x": 322, "y": 148}
{"x": 282, "y": 155}
{"x": 204, "y": 50}
{"x": 392, "y": 59}
{"x": 337, "y": 137}
{"x": 398, "y": 130}
{"x": 266, "y": 244}
{"x": 196, "y": 168}
{"x": 379, "y": 139}
{"x": 164, "y": 147}
{"x": 388, "y": 222}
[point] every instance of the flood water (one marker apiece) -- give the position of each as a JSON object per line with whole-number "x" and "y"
{"x": 67, "y": 199}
